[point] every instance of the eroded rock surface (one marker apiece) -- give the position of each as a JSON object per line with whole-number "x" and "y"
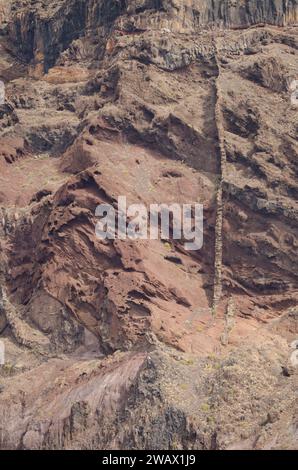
{"x": 142, "y": 344}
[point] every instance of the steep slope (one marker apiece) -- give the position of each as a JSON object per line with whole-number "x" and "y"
{"x": 160, "y": 101}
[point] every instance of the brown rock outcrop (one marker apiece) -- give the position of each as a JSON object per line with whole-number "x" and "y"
{"x": 161, "y": 102}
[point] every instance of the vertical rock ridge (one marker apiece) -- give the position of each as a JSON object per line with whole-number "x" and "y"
{"x": 218, "y": 255}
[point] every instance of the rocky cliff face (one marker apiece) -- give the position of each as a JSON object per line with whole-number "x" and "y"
{"x": 39, "y": 31}
{"x": 142, "y": 344}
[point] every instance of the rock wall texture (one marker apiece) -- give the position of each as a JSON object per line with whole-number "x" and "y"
{"x": 41, "y": 30}
{"x": 142, "y": 344}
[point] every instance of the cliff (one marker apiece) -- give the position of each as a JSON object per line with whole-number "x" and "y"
{"x": 143, "y": 344}
{"x": 40, "y": 30}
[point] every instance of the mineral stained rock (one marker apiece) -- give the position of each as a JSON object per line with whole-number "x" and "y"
{"x": 141, "y": 344}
